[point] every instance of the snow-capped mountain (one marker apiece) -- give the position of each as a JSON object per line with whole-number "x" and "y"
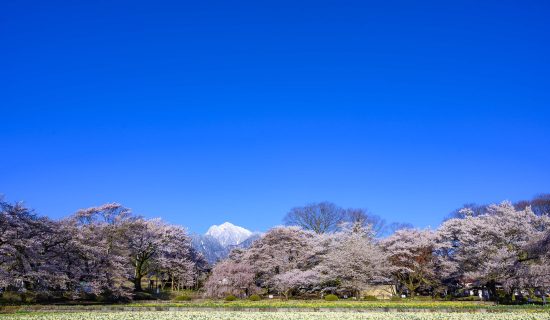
{"x": 229, "y": 234}
{"x": 218, "y": 241}
{"x": 210, "y": 247}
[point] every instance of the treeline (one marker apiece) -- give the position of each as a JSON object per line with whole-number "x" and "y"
{"x": 99, "y": 253}
{"x": 501, "y": 251}
{"x": 108, "y": 253}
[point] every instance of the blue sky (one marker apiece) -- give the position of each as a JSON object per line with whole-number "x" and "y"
{"x": 202, "y": 112}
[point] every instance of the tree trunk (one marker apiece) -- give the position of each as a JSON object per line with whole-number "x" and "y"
{"x": 286, "y": 294}
{"x": 137, "y": 283}
{"x": 138, "y": 275}
{"x": 411, "y": 287}
{"x": 492, "y": 287}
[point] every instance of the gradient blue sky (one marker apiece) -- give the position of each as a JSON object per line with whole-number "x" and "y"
{"x": 201, "y": 112}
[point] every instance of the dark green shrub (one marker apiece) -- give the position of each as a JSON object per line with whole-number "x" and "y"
{"x": 143, "y": 296}
{"x": 29, "y": 297}
{"x": 230, "y": 298}
{"x": 46, "y": 297}
{"x": 183, "y": 297}
{"x": 254, "y": 297}
{"x": 11, "y": 297}
{"x": 99, "y": 298}
{"x": 370, "y": 298}
{"x": 331, "y": 297}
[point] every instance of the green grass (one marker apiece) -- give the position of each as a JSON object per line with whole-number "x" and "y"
{"x": 402, "y": 304}
{"x": 299, "y": 304}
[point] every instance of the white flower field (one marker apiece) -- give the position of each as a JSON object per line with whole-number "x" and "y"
{"x": 224, "y": 315}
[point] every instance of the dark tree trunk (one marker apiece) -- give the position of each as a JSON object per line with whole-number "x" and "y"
{"x": 492, "y": 287}
{"x": 137, "y": 283}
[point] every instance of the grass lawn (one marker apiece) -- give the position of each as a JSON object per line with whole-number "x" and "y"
{"x": 275, "y": 304}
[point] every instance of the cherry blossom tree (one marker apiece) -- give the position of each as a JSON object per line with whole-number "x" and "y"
{"x": 119, "y": 247}
{"x": 283, "y": 259}
{"x": 28, "y": 251}
{"x": 412, "y": 262}
{"x": 286, "y": 282}
{"x": 280, "y": 250}
{"x": 533, "y": 271}
{"x": 102, "y": 237}
{"x": 487, "y": 247}
{"x": 355, "y": 260}
{"x": 176, "y": 260}
{"x": 231, "y": 278}
{"x": 145, "y": 240}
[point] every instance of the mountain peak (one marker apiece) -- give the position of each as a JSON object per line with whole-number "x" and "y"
{"x": 228, "y": 234}
{"x": 226, "y": 224}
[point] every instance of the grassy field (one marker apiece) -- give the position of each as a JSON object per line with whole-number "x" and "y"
{"x": 221, "y": 315}
{"x": 401, "y": 304}
{"x": 281, "y": 305}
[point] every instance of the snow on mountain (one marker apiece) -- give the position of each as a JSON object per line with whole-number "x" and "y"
{"x": 210, "y": 247}
{"x": 229, "y": 234}
{"x": 218, "y": 241}
{"x": 246, "y": 243}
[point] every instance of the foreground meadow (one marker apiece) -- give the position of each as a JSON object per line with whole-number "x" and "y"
{"x": 281, "y": 305}
{"x": 221, "y": 315}
{"x": 343, "y": 304}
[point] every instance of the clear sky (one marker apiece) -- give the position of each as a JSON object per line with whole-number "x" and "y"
{"x": 202, "y": 112}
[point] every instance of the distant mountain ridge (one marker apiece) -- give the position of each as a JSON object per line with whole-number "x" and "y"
{"x": 219, "y": 240}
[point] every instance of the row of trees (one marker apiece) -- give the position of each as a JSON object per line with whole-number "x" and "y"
{"x": 103, "y": 251}
{"x": 108, "y": 252}
{"x": 504, "y": 250}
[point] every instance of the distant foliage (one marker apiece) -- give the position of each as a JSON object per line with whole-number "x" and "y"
{"x": 320, "y": 217}
{"x": 540, "y": 204}
{"x": 326, "y": 217}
